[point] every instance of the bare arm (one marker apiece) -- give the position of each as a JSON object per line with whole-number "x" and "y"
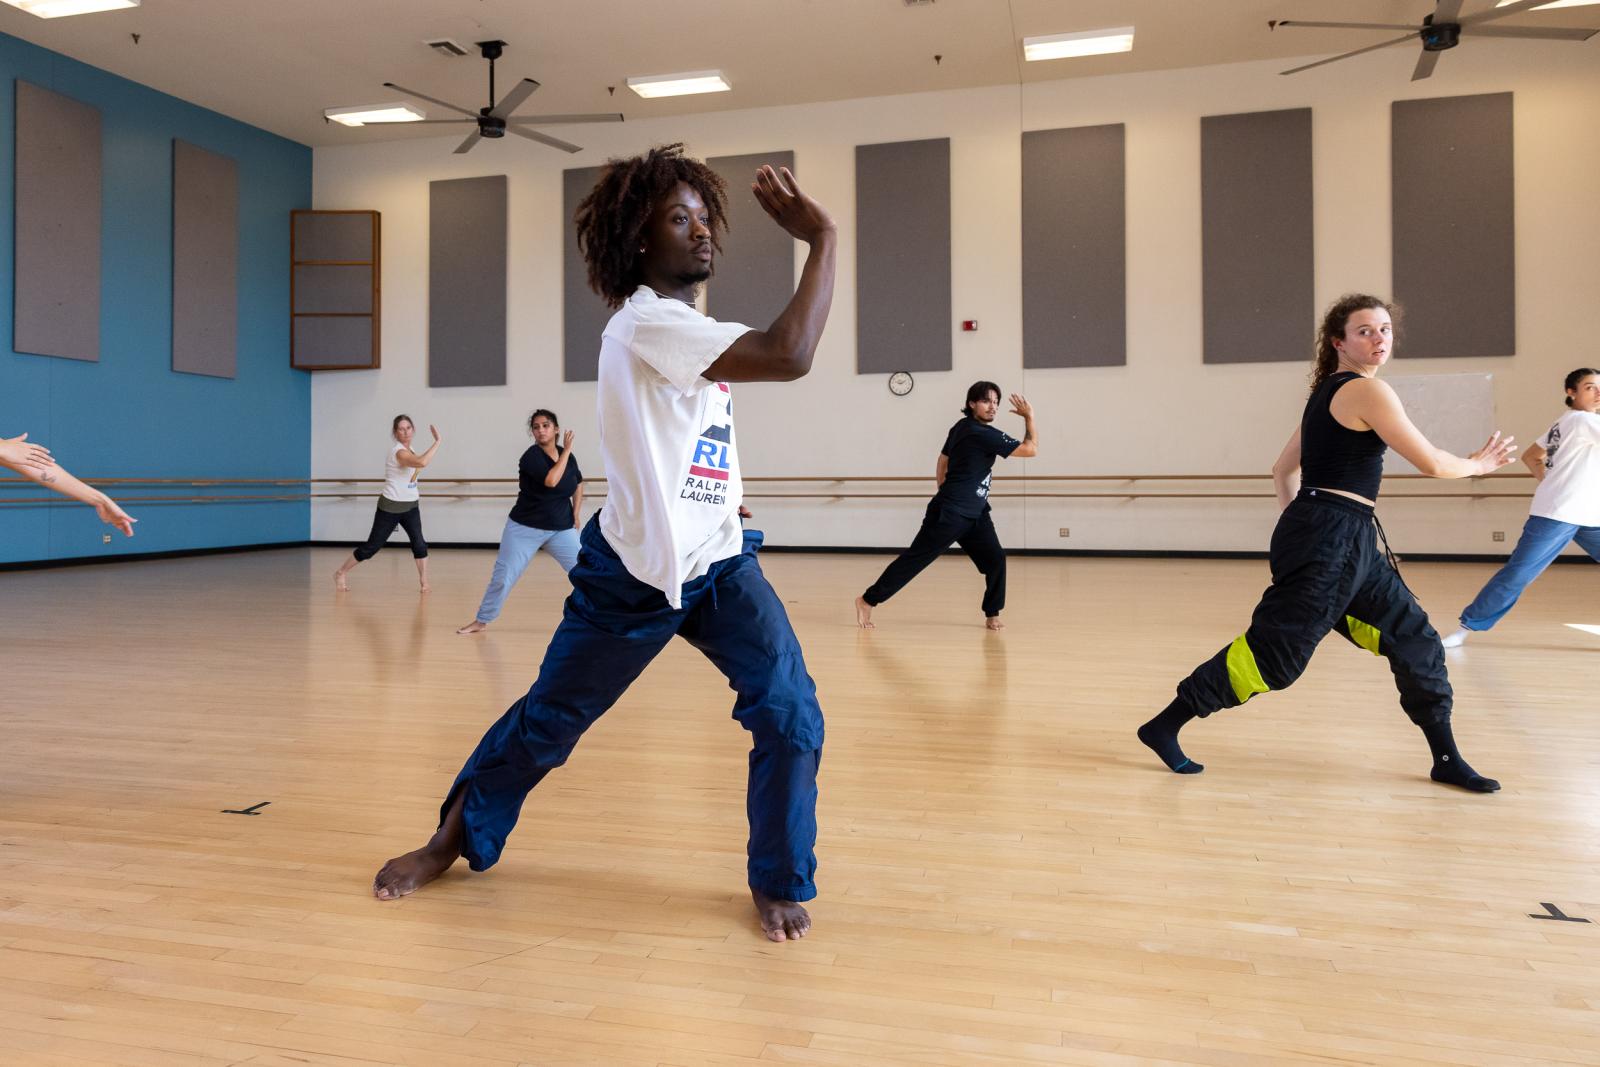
{"x": 58, "y": 478}
{"x": 941, "y": 469}
{"x": 553, "y": 476}
{"x": 783, "y": 351}
{"x": 1030, "y": 440}
{"x": 1286, "y": 471}
{"x": 1375, "y": 405}
{"x": 577, "y": 506}
{"x": 17, "y": 453}
{"x": 407, "y": 458}
{"x": 1533, "y": 459}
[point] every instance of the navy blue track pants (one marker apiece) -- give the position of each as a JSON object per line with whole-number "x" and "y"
{"x": 612, "y": 627}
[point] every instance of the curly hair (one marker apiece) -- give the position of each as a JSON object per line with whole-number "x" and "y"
{"x": 614, "y": 214}
{"x": 1333, "y": 323}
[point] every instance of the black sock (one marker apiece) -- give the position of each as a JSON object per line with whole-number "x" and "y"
{"x": 1448, "y": 766}
{"x": 1161, "y": 734}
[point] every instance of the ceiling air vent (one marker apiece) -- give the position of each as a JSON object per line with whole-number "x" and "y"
{"x": 446, "y": 47}
{"x": 919, "y": 3}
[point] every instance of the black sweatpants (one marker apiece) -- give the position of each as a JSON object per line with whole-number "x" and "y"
{"x": 383, "y": 524}
{"x": 941, "y": 528}
{"x": 1328, "y": 573}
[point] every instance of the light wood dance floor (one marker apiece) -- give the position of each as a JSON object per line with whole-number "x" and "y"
{"x": 1007, "y": 876}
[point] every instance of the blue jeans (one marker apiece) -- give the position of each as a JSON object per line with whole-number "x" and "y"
{"x": 518, "y": 543}
{"x": 612, "y": 627}
{"x": 1541, "y": 542}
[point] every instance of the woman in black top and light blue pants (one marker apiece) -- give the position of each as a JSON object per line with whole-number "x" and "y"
{"x": 546, "y": 515}
{"x": 959, "y": 511}
{"x": 1328, "y": 573}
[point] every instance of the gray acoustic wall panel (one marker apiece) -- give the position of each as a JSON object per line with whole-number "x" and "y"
{"x": 1454, "y": 226}
{"x": 1259, "y": 296}
{"x": 1074, "y": 248}
{"x": 903, "y": 316}
{"x": 583, "y": 314}
{"x": 320, "y": 288}
{"x": 755, "y": 273}
{"x": 205, "y": 262}
{"x": 335, "y": 237}
{"x": 467, "y": 281}
{"x": 336, "y": 341}
{"x": 57, "y": 242}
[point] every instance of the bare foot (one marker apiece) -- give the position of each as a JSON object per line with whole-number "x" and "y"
{"x": 426, "y": 588}
{"x": 864, "y": 615}
{"x": 409, "y": 873}
{"x": 339, "y": 583}
{"x": 781, "y": 920}
{"x": 473, "y": 627}
{"x": 993, "y": 622}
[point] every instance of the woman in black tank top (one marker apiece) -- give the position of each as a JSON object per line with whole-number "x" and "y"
{"x": 1328, "y": 572}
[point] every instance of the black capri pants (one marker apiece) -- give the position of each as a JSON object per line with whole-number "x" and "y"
{"x": 1328, "y": 575}
{"x": 383, "y": 524}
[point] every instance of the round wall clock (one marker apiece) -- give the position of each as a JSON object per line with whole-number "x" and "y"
{"x": 900, "y": 383}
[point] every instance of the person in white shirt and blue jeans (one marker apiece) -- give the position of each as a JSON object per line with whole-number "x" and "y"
{"x": 1566, "y": 505}
{"x": 666, "y": 556}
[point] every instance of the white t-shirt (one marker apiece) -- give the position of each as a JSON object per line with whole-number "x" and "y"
{"x": 399, "y": 481}
{"x": 1570, "y": 491}
{"x": 666, "y": 436}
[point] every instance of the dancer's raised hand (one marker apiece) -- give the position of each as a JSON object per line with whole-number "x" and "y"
{"x": 780, "y": 197}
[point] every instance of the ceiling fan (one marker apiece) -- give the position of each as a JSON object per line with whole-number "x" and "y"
{"x": 495, "y": 120}
{"x": 1442, "y": 31}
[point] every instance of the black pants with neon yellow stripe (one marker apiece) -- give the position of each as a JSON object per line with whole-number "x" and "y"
{"x": 1328, "y": 574}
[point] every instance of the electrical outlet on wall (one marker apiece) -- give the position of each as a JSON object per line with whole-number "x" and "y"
{"x": 1498, "y": 535}
{"x": 1065, "y": 532}
{"x": 105, "y": 539}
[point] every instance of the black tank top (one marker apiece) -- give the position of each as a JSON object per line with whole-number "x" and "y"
{"x": 1334, "y": 456}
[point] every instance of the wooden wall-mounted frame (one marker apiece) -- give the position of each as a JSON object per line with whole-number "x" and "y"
{"x": 334, "y": 303}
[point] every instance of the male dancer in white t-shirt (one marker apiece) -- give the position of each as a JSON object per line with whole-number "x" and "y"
{"x": 665, "y": 555}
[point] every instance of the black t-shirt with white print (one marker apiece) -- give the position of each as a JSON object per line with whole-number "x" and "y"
{"x": 971, "y": 448}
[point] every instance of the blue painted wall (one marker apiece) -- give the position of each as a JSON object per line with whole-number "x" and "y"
{"x": 131, "y": 415}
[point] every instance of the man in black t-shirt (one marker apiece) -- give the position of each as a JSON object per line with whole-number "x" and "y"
{"x": 959, "y": 511}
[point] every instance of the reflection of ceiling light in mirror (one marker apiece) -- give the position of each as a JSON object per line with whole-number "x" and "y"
{"x": 371, "y": 113}
{"x": 54, "y": 9}
{"x": 1073, "y": 45}
{"x": 1585, "y": 627}
{"x": 700, "y": 81}
{"x": 1553, "y": 3}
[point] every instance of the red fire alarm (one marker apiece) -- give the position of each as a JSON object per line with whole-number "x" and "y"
{"x": 969, "y": 325}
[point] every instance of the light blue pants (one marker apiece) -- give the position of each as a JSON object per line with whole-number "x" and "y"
{"x": 518, "y": 543}
{"x": 1541, "y": 542}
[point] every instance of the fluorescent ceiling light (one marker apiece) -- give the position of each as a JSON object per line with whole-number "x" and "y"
{"x": 700, "y": 81}
{"x": 373, "y": 113}
{"x": 1552, "y": 4}
{"x": 54, "y": 9}
{"x": 1072, "y": 45}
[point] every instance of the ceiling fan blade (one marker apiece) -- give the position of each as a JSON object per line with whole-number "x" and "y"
{"x": 559, "y": 120}
{"x": 1532, "y": 33}
{"x": 1446, "y": 11}
{"x": 513, "y": 100}
{"x": 1425, "y": 64}
{"x": 466, "y": 146}
{"x": 535, "y": 135}
{"x": 1370, "y": 48}
{"x": 429, "y": 99}
{"x": 1501, "y": 12}
{"x": 1340, "y": 25}
{"x": 428, "y": 122}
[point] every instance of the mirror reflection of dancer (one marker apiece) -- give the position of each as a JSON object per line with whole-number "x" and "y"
{"x": 1566, "y": 505}
{"x": 35, "y": 463}
{"x": 1327, "y": 570}
{"x": 398, "y": 504}
{"x": 665, "y": 557}
{"x": 546, "y": 515}
{"x": 959, "y": 511}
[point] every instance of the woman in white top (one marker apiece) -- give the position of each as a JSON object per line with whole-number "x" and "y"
{"x": 1566, "y": 505}
{"x": 398, "y": 503}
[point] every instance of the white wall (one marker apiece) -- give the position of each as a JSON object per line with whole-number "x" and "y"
{"x": 1163, "y": 413}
